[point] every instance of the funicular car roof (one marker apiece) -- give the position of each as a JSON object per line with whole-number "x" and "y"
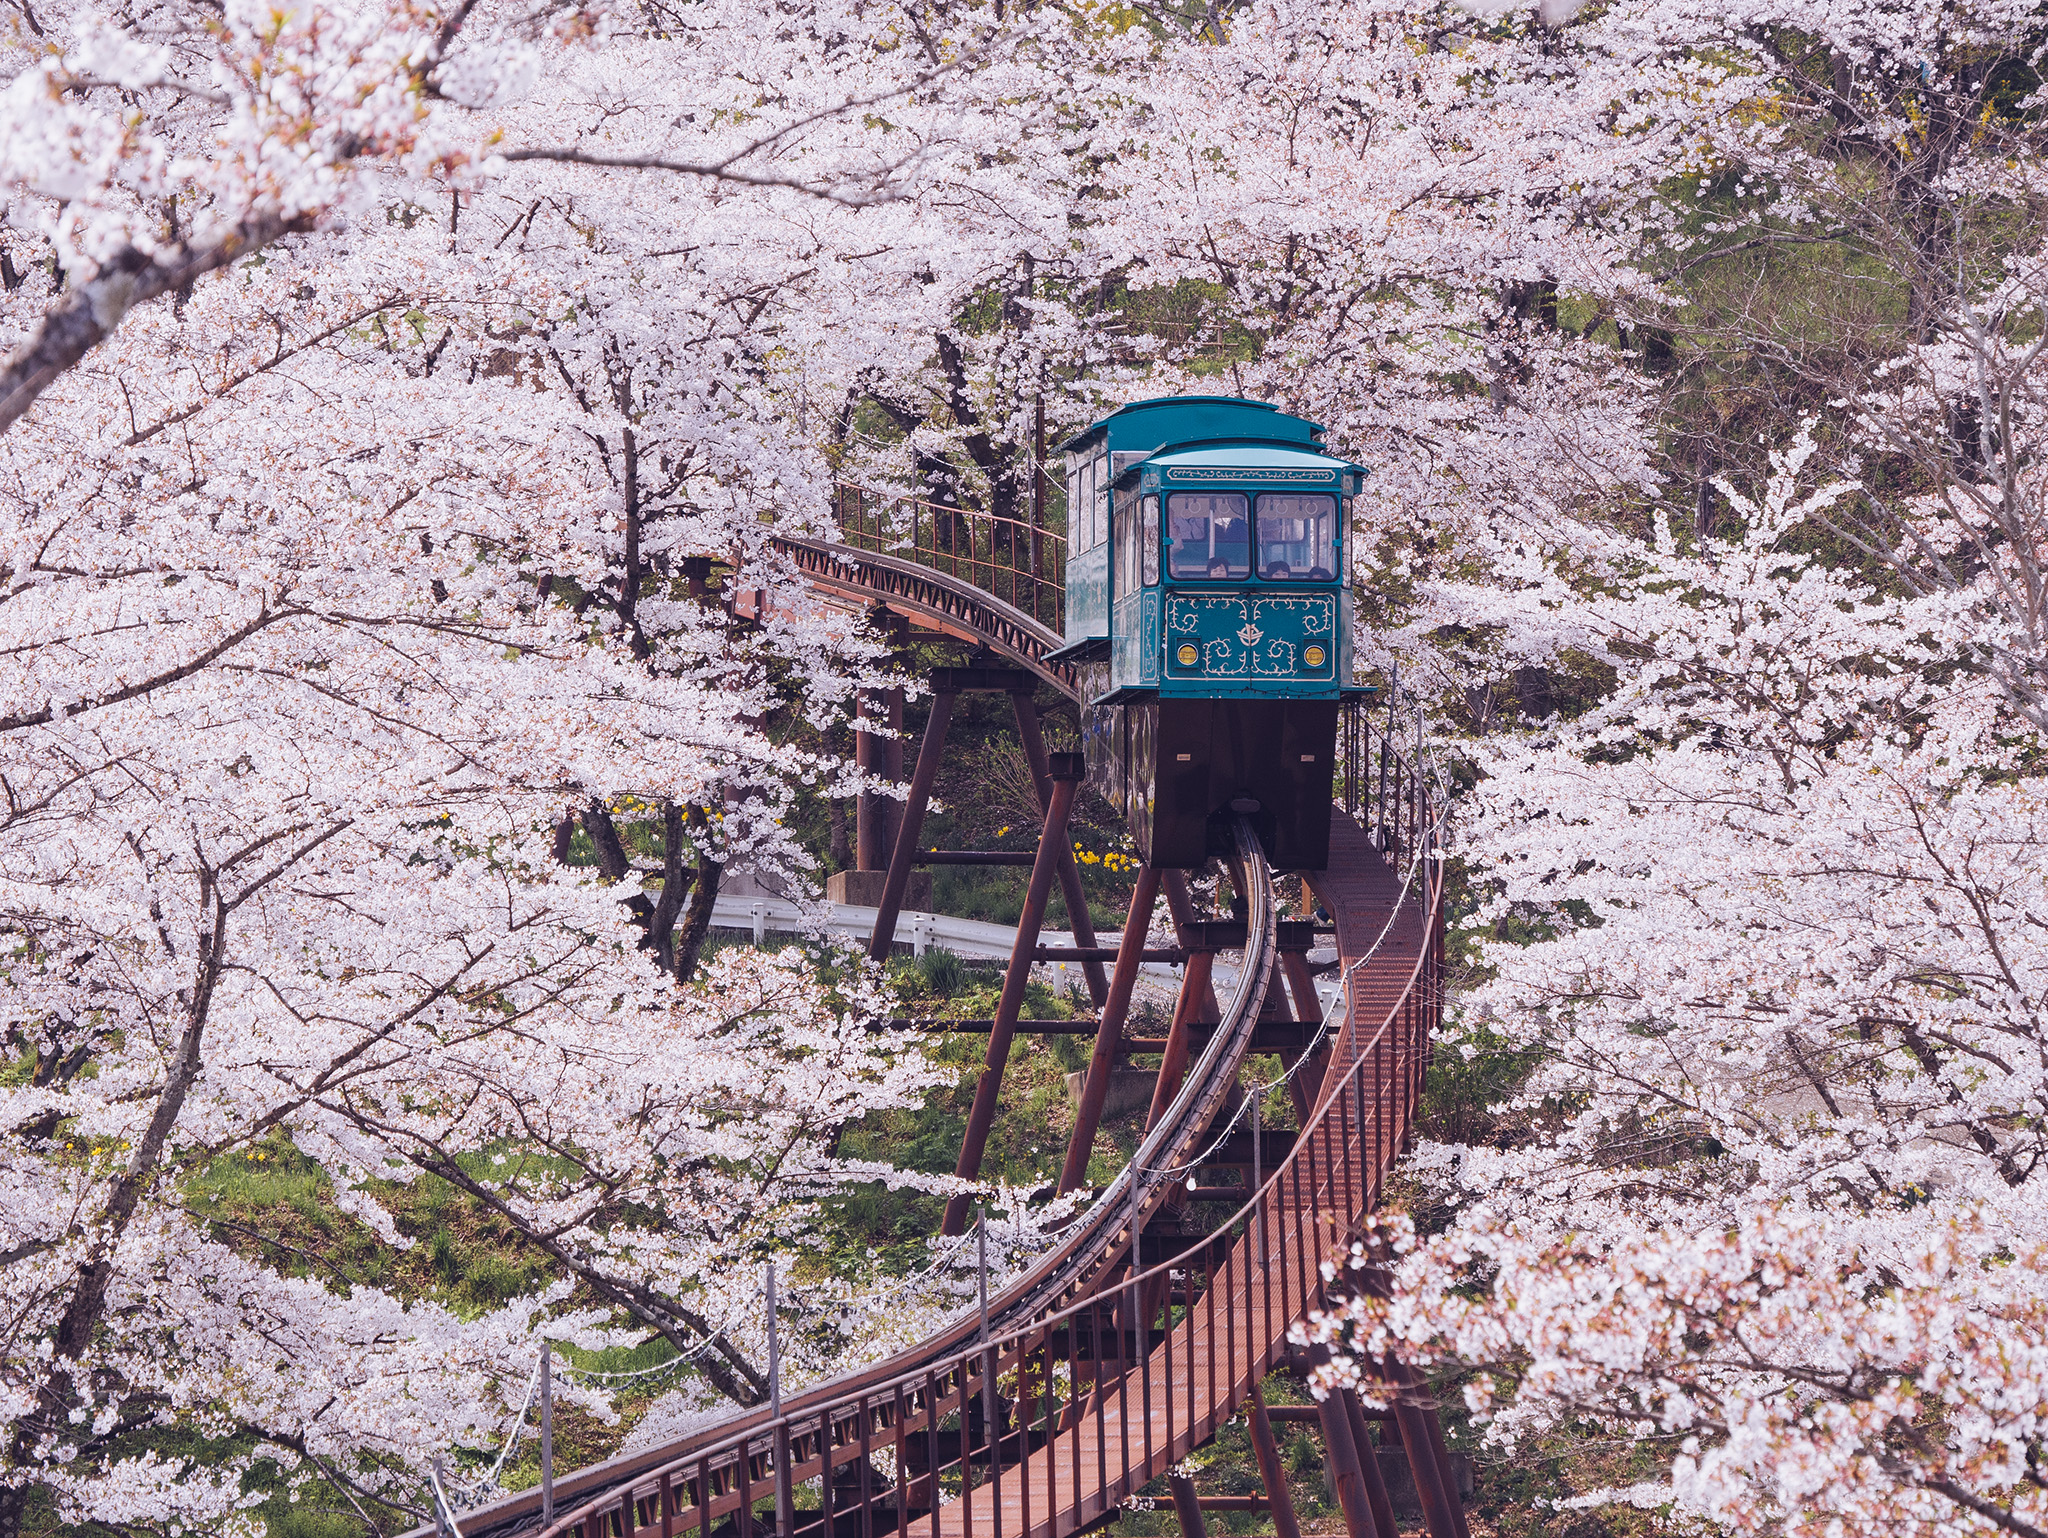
{"x": 1248, "y": 459}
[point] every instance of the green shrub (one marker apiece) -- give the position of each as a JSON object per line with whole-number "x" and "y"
{"x": 944, "y": 974}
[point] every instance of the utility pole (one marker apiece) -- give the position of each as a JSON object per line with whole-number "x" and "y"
{"x": 783, "y": 1493}
{"x": 547, "y": 1431}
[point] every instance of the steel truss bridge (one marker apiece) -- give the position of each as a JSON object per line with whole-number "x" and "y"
{"x": 1108, "y": 1362}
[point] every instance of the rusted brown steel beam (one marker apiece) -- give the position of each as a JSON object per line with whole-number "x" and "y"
{"x": 1274, "y": 1147}
{"x": 1095, "y": 1087}
{"x": 1272, "y": 1472}
{"x": 1186, "y": 1505}
{"x": 1173, "y": 1063}
{"x": 1080, "y": 1025}
{"x": 974, "y": 679}
{"x": 1290, "y": 936}
{"x": 1369, "y": 1464}
{"x": 1309, "y": 1412}
{"x": 1079, "y": 920}
{"x": 1172, "y": 953}
{"x": 912, "y": 824}
{"x": 983, "y": 1115}
{"x": 1267, "y": 1036}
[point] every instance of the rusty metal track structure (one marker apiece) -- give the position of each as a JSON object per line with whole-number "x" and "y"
{"x": 1095, "y": 1372}
{"x": 933, "y": 600}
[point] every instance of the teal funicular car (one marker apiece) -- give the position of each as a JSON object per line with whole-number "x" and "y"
{"x": 1210, "y": 615}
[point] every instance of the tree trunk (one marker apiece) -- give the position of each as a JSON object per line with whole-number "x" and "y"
{"x": 661, "y": 924}
{"x": 81, "y": 1317}
{"x": 698, "y": 923}
{"x": 611, "y": 859}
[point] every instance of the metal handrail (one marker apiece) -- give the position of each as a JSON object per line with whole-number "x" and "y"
{"x": 1332, "y": 1139}
{"x": 1012, "y": 558}
{"x": 1397, "y": 812}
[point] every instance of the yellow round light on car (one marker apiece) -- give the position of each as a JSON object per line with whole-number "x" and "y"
{"x": 1313, "y": 656}
{"x": 1187, "y": 656}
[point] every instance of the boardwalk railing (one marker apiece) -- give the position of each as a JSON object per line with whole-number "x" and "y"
{"x": 1042, "y": 1427}
{"x": 1013, "y": 559}
{"x": 1375, "y": 781}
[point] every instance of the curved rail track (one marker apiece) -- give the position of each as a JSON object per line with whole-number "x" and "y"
{"x": 933, "y": 600}
{"x": 1095, "y": 1372}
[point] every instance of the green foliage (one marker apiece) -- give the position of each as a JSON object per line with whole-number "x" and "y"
{"x": 942, "y": 973}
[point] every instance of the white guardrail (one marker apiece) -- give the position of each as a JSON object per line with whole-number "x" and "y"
{"x": 969, "y": 939}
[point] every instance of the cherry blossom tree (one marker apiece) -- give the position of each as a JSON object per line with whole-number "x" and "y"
{"x": 289, "y": 723}
{"x": 1767, "y": 912}
{"x": 332, "y": 583}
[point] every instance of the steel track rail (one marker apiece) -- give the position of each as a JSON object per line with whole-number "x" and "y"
{"x": 1093, "y": 1251}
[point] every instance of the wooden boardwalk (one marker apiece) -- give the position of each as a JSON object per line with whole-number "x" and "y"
{"x": 1140, "y": 1422}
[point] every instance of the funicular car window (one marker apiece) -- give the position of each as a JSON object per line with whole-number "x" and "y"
{"x": 1297, "y": 537}
{"x": 1211, "y": 534}
{"x": 1126, "y": 534}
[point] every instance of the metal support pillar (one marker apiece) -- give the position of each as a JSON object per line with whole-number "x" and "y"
{"x": 1369, "y": 1465}
{"x": 875, "y": 818}
{"x": 1302, "y": 987}
{"x": 1182, "y": 907}
{"x": 1173, "y": 1062}
{"x": 989, "y": 1417}
{"x": 870, "y": 848}
{"x": 1078, "y": 917}
{"x": 1271, "y": 1470}
{"x": 1346, "y": 1472}
{"x": 547, "y": 1431}
{"x": 1435, "y": 1484}
{"x": 1038, "y": 476}
{"x": 1186, "y": 1506}
{"x": 902, "y": 858}
{"x": 785, "y": 1497}
{"x": 1095, "y": 1087}
{"x": 1413, "y": 1418}
{"x": 1003, "y": 1027}
{"x": 1308, "y": 1080}
{"x": 892, "y": 761}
